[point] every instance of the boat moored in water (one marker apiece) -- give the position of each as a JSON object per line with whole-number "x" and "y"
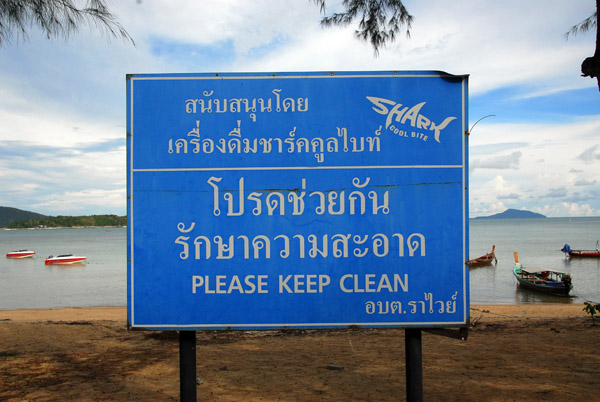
{"x": 65, "y": 259}
{"x": 551, "y": 282}
{"x": 582, "y": 253}
{"x": 485, "y": 259}
{"x": 20, "y": 254}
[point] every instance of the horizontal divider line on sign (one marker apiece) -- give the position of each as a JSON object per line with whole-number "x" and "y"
{"x": 207, "y": 169}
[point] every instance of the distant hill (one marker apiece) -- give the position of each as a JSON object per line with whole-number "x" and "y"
{"x": 9, "y": 215}
{"x": 513, "y": 214}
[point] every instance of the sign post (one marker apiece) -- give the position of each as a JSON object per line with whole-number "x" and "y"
{"x": 414, "y": 364}
{"x": 187, "y": 366}
{"x": 297, "y": 200}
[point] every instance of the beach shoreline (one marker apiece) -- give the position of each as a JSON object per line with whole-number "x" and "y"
{"x": 119, "y": 313}
{"x": 513, "y": 352}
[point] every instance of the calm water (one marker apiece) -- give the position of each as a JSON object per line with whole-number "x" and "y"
{"x": 538, "y": 242}
{"x": 29, "y": 283}
{"x": 102, "y": 281}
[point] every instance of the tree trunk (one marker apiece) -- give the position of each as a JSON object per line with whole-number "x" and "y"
{"x": 591, "y": 66}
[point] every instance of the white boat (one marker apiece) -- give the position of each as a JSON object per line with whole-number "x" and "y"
{"x": 65, "y": 259}
{"x": 20, "y": 254}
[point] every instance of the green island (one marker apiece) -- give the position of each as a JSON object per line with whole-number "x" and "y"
{"x": 69, "y": 222}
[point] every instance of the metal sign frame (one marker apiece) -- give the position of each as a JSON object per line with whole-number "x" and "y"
{"x": 297, "y": 200}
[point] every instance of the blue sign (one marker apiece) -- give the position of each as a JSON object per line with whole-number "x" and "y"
{"x": 301, "y": 200}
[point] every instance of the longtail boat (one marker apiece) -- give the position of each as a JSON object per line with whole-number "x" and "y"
{"x": 485, "y": 259}
{"x": 582, "y": 253}
{"x": 551, "y": 282}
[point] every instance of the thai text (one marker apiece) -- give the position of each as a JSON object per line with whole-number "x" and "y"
{"x": 428, "y": 305}
{"x": 311, "y": 246}
{"x": 354, "y": 201}
{"x": 275, "y": 102}
{"x": 293, "y": 143}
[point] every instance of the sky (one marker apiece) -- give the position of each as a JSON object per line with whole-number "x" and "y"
{"x": 63, "y": 100}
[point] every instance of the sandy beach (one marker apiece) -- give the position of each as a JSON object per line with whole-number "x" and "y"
{"x": 513, "y": 353}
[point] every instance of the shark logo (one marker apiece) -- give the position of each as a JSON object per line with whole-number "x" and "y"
{"x": 408, "y": 115}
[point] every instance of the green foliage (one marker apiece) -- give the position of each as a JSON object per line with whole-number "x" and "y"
{"x": 379, "y": 21}
{"x": 56, "y": 18}
{"x": 592, "y": 309}
{"x": 70, "y": 221}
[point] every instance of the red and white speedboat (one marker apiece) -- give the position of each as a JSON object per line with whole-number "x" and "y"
{"x": 20, "y": 254}
{"x": 65, "y": 259}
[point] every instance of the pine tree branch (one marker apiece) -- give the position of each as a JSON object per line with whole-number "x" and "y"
{"x": 56, "y": 18}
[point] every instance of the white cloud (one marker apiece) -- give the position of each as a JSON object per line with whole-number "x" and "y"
{"x": 81, "y": 202}
{"x": 247, "y": 24}
{"x": 584, "y": 182}
{"x": 510, "y": 161}
{"x": 51, "y": 128}
{"x": 567, "y": 209}
{"x": 555, "y": 193}
{"x": 590, "y": 155}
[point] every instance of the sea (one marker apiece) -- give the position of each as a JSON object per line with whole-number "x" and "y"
{"x": 102, "y": 279}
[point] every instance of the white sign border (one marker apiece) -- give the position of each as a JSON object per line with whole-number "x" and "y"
{"x": 131, "y": 285}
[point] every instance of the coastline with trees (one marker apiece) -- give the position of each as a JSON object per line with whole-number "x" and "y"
{"x": 56, "y": 222}
{"x": 13, "y": 218}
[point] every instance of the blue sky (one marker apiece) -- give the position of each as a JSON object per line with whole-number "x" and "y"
{"x": 62, "y": 103}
